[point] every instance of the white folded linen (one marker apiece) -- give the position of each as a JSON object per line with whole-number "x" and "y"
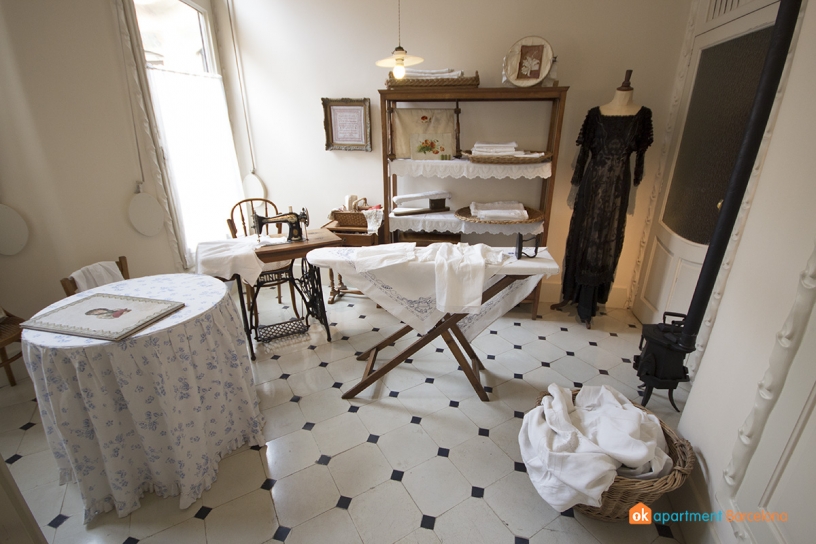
{"x": 375, "y": 257}
{"x": 460, "y": 274}
{"x": 502, "y": 205}
{"x": 450, "y": 75}
{"x": 479, "y": 153}
{"x": 502, "y": 215}
{"x": 488, "y": 145}
{"x": 400, "y": 199}
{"x": 225, "y": 258}
{"x": 97, "y": 274}
{"x": 415, "y": 71}
{"x": 573, "y": 452}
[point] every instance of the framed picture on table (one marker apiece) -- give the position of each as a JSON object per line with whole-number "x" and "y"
{"x": 347, "y": 122}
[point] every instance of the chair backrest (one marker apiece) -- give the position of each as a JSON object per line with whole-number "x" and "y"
{"x": 241, "y": 216}
{"x": 70, "y": 286}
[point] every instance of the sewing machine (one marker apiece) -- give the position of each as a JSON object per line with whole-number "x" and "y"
{"x": 290, "y": 218}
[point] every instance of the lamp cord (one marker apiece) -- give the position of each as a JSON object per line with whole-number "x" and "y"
{"x": 399, "y": 24}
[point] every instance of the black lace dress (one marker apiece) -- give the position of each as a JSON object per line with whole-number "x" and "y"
{"x": 603, "y": 175}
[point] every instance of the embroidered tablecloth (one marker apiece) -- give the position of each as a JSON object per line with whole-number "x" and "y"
{"x": 154, "y": 412}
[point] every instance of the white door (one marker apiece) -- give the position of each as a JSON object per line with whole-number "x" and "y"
{"x": 724, "y": 69}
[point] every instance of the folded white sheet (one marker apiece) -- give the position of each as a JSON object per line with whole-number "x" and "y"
{"x": 225, "y": 258}
{"x": 448, "y": 75}
{"x": 573, "y": 452}
{"x": 502, "y": 215}
{"x": 97, "y": 274}
{"x": 489, "y": 145}
{"x": 418, "y": 72}
{"x": 501, "y": 211}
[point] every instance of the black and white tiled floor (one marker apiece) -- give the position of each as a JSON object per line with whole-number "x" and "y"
{"x": 416, "y": 458}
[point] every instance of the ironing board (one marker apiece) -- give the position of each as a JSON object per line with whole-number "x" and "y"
{"x": 407, "y": 291}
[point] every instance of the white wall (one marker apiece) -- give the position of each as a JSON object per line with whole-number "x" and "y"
{"x": 294, "y": 53}
{"x": 777, "y": 241}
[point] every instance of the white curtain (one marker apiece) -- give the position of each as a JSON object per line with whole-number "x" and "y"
{"x": 191, "y": 113}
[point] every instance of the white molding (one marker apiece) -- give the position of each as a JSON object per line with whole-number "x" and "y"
{"x": 788, "y": 340}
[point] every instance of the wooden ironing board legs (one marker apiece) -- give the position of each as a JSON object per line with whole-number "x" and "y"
{"x": 447, "y": 328}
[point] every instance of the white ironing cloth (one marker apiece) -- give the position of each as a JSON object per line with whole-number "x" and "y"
{"x": 225, "y": 258}
{"x": 97, "y": 275}
{"x": 407, "y": 289}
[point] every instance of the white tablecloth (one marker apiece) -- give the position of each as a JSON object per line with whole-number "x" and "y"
{"x": 463, "y": 168}
{"x": 448, "y": 222}
{"x": 408, "y": 290}
{"x": 156, "y": 411}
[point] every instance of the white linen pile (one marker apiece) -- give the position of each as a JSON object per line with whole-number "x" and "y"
{"x": 444, "y": 73}
{"x": 96, "y": 275}
{"x": 225, "y": 258}
{"x": 498, "y": 211}
{"x": 574, "y": 451}
{"x": 494, "y": 150}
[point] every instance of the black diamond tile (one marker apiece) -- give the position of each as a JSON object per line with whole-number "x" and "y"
{"x": 494, "y": 332}
{"x": 443, "y": 452}
{"x": 477, "y": 492}
{"x": 409, "y": 361}
{"x": 375, "y": 329}
{"x": 571, "y": 353}
{"x": 544, "y": 363}
{"x": 57, "y": 521}
{"x": 517, "y": 324}
{"x": 459, "y": 368}
{"x": 324, "y": 364}
{"x": 416, "y": 420}
{"x": 491, "y": 357}
{"x": 613, "y": 334}
{"x": 602, "y": 313}
{"x": 518, "y": 414}
{"x": 332, "y": 324}
{"x": 564, "y": 329}
{"x": 521, "y": 540}
{"x": 27, "y": 426}
{"x": 663, "y": 530}
{"x": 313, "y": 347}
{"x": 362, "y": 317}
{"x": 13, "y": 459}
{"x": 519, "y": 467}
{"x": 429, "y": 380}
{"x": 518, "y": 376}
{"x": 324, "y": 460}
{"x": 204, "y": 511}
{"x": 626, "y": 360}
{"x": 484, "y": 432}
{"x": 295, "y": 399}
{"x": 344, "y": 502}
{"x": 593, "y": 343}
{"x": 344, "y": 338}
{"x": 275, "y": 357}
{"x": 337, "y": 385}
{"x": 488, "y": 389}
{"x": 393, "y": 393}
{"x": 539, "y": 316}
{"x": 358, "y": 353}
{"x": 454, "y": 403}
{"x": 284, "y": 376}
{"x": 308, "y": 426}
{"x": 632, "y": 326}
{"x": 286, "y": 307}
{"x": 350, "y": 306}
{"x": 353, "y": 409}
{"x": 516, "y": 346}
{"x": 373, "y": 438}
{"x": 542, "y": 337}
{"x": 578, "y": 384}
{"x": 268, "y": 484}
{"x": 256, "y": 448}
{"x": 130, "y": 540}
{"x": 439, "y": 350}
{"x": 281, "y": 534}
{"x": 427, "y": 522}
{"x": 604, "y": 372}
{"x": 640, "y": 393}
{"x": 397, "y": 475}
{"x": 568, "y": 512}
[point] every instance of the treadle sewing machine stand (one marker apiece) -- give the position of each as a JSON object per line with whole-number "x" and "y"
{"x": 447, "y": 328}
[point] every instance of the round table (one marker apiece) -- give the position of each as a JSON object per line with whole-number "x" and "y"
{"x": 155, "y": 411}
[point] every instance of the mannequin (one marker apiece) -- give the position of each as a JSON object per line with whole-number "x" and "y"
{"x": 609, "y": 136}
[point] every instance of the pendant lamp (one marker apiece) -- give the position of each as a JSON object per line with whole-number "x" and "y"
{"x": 400, "y": 58}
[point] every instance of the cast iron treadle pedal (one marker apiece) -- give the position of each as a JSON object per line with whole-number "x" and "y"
{"x": 267, "y": 333}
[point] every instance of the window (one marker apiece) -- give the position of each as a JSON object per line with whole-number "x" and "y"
{"x": 191, "y": 113}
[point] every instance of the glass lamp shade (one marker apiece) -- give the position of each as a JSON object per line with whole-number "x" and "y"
{"x": 398, "y": 60}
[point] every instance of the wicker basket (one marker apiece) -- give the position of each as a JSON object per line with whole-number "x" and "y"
{"x": 393, "y": 83}
{"x": 624, "y": 493}
{"x": 546, "y": 156}
{"x": 349, "y": 219}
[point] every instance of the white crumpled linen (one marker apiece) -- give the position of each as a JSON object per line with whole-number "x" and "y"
{"x": 97, "y": 275}
{"x": 574, "y": 451}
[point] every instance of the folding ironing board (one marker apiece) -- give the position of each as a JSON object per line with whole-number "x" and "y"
{"x": 407, "y": 291}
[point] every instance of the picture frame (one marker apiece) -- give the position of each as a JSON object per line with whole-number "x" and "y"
{"x": 347, "y": 122}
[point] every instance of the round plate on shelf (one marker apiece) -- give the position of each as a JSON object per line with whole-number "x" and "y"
{"x": 528, "y": 62}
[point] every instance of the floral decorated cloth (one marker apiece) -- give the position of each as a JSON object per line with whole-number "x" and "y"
{"x": 155, "y": 412}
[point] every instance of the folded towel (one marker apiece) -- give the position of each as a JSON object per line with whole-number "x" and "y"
{"x": 488, "y": 145}
{"x": 414, "y": 71}
{"x": 479, "y": 153}
{"x": 97, "y": 274}
{"x": 451, "y": 75}
{"x": 502, "y": 215}
{"x": 476, "y": 207}
{"x": 400, "y": 199}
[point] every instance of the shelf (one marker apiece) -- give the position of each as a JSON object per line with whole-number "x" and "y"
{"x": 462, "y": 168}
{"x": 448, "y": 222}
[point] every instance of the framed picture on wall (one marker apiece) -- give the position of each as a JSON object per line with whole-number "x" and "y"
{"x": 347, "y": 122}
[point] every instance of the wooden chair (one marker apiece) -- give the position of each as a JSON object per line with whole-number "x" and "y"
{"x": 10, "y": 332}
{"x": 274, "y": 274}
{"x": 70, "y": 286}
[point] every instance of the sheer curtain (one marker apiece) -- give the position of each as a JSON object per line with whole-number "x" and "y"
{"x": 196, "y": 138}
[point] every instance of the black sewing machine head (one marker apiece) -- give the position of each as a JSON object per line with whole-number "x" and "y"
{"x": 291, "y": 218}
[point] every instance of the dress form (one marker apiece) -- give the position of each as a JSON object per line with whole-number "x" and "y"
{"x": 623, "y": 101}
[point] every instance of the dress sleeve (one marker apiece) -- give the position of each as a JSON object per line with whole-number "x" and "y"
{"x": 584, "y": 140}
{"x": 644, "y": 139}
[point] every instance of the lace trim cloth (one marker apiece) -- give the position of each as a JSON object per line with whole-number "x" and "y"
{"x": 466, "y": 169}
{"x": 448, "y": 222}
